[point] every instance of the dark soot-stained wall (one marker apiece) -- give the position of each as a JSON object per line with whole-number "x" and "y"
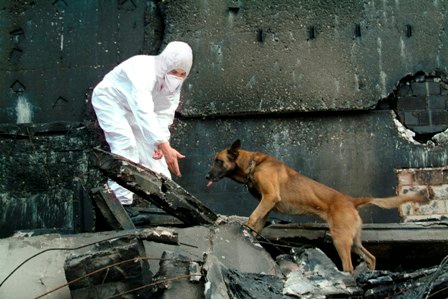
{"x": 300, "y": 80}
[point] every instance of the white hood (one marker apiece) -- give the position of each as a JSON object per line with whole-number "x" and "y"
{"x": 175, "y": 55}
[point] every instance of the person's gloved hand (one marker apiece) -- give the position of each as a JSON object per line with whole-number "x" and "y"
{"x": 171, "y": 156}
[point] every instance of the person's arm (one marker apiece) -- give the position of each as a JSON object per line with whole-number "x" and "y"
{"x": 142, "y": 106}
{"x": 165, "y": 113}
{"x": 141, "y": 80}
{"x": 165, "y": 116}
{"x": 155, "y": 128}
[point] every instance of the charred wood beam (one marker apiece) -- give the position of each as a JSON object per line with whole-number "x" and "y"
{"x": 423, "y": 283}
{"x": 158, "y": 189}
{"x": 108, "y": 269}
{"x": 160, "y": 235}
{"x": 111, "y": 209}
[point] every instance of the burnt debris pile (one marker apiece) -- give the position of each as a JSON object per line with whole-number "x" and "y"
{"x": 217, "y": 256}
{"x": 190, "y": 252}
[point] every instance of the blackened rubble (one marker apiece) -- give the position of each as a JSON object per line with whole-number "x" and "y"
{"x": 216, "y": 261}
{"x": 121, "y": 277}
{"x": 423, "y": 283}
{"x": 226, "y": 261}
{"x": 214, "y": 256}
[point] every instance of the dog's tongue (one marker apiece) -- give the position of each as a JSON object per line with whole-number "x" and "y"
{"x": 209, "y": 183}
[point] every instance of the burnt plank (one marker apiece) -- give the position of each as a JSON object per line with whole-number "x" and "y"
{"x": 114, "y": 267}
{"x": 160, "y": 235}
{"x": 111, "y": 209}
{"x": 158, "y": 189}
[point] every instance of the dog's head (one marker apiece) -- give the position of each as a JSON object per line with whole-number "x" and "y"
{"x": 224, "y": 163}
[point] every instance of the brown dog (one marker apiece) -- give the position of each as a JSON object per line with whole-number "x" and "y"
{"x": 282, "y": 189}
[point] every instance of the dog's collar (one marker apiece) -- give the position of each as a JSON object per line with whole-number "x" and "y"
{"x": 250, "y": 173}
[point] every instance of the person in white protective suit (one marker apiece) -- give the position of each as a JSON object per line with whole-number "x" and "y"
{"x": 135, "y": 105}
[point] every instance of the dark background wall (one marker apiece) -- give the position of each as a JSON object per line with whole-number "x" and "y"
{"x": 314, "y": 83}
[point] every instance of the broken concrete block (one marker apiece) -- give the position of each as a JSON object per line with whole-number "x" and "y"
{"x": 318, "y": 276}
{"x": 215, "y": 287}
{"x": 432, "y": 182}
{"x": 287, "y": 264}
{"x": 109, "y": 269}
{"x": 225, "y": 283}
{"x": 251, "y": 285}
{"x": 237, "y": 249}
{"x": 179, "y": 277}
{"x": 192, "y": 243}
{"x": 233, "y": 246}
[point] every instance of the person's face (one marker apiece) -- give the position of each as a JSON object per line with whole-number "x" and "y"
{"x": 178, "y": 73}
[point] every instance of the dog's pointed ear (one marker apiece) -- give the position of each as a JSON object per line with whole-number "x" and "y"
{"x": 233, "y": 150}
{"x": 236, "y": 144}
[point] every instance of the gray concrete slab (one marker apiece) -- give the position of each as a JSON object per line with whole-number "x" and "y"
{"x": 45, "y": 271}
{"x": 228, "y": 242}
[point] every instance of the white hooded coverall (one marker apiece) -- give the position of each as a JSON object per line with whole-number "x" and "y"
{"x": 135, "y": 106}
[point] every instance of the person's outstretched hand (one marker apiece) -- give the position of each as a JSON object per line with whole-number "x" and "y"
{"x": 171, "y": 156}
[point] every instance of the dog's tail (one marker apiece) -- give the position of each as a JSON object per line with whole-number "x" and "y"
{"x": 390, "y": 202}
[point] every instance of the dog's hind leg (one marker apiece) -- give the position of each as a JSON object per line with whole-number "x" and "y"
{"x": 344, "y": 224}
{"x": 343, "y": 244}
{"x": 365, "y": 255}
{"x": 363, "y": 252}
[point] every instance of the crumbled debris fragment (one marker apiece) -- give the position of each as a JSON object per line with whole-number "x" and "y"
{"x": 318, "y": 276}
